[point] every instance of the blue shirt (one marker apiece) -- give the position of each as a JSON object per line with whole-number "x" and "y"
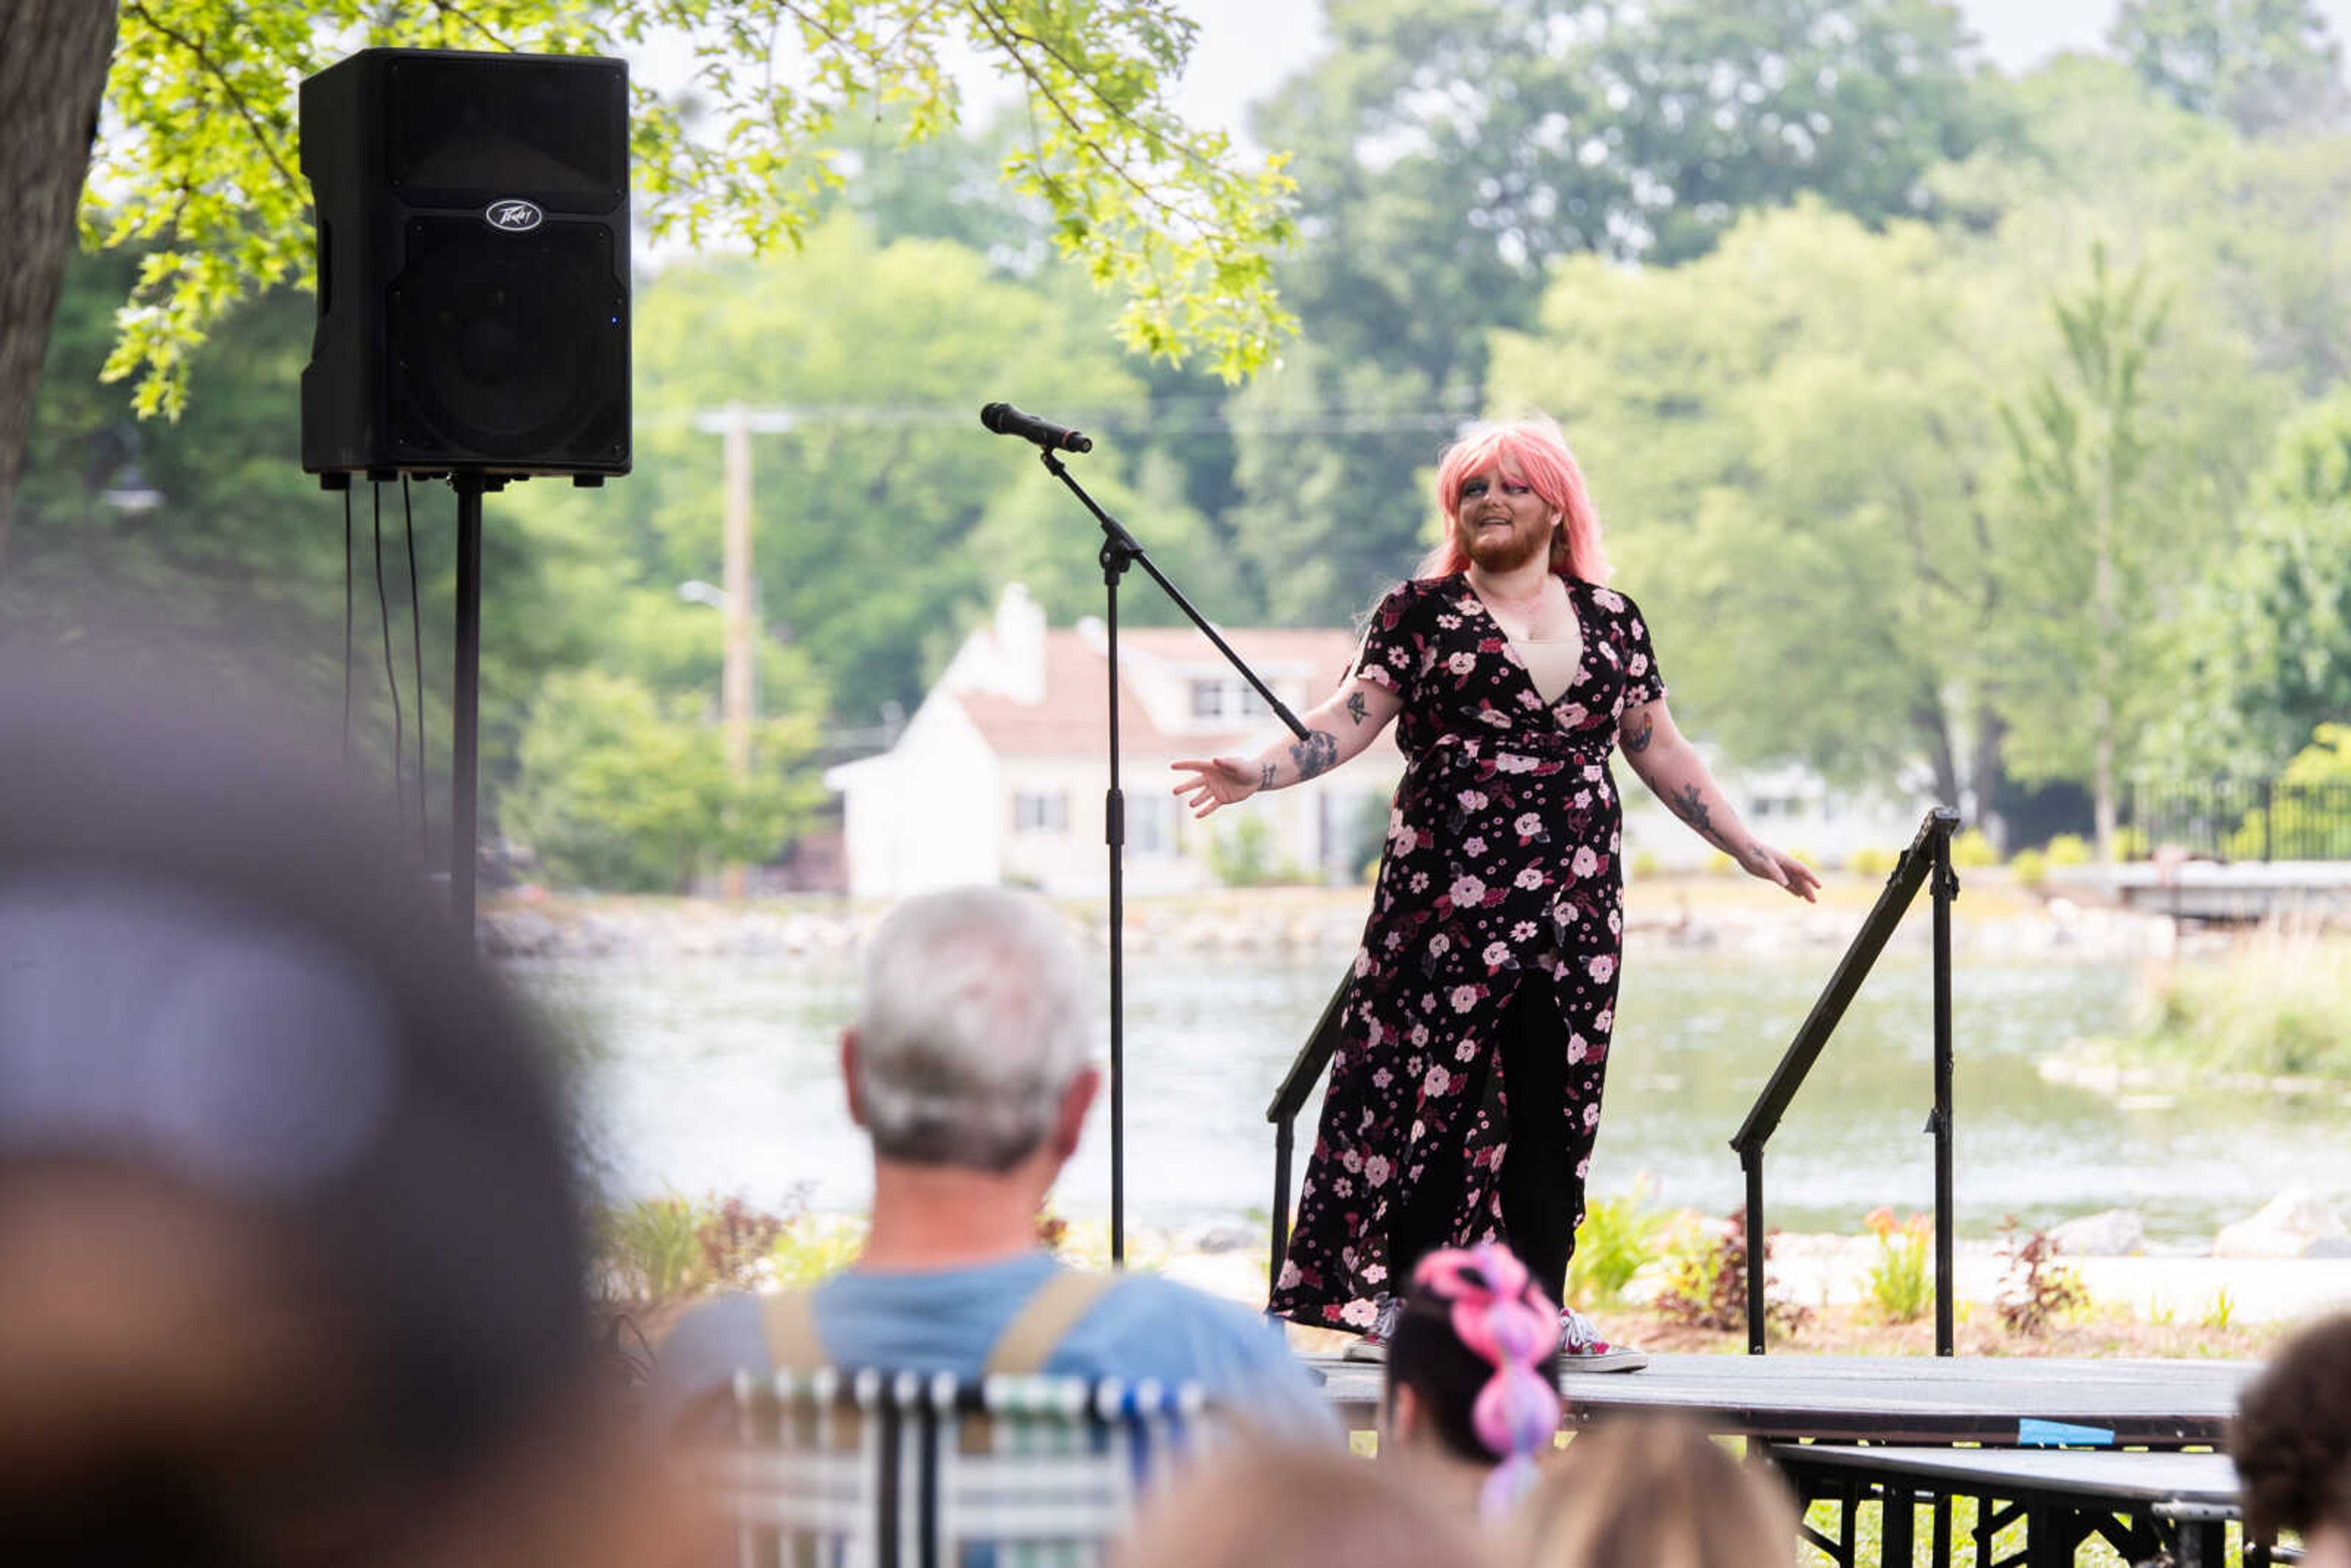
{"x": 948, "y": 1320}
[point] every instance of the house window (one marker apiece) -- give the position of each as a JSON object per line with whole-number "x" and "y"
{"x": 1041, "y": 812}
{"x": 1207, "y": 699}
{"x": 1252, "y": 705}
{"x": 1151, "y": 825}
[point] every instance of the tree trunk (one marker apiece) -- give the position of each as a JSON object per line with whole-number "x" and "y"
{"x": 53, "y": 59}
{"x": 1934, "y": 731}
{"x": 1986, "y": 772}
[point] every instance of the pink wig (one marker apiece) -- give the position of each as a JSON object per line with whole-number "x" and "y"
{"x": 1541, "y": 453}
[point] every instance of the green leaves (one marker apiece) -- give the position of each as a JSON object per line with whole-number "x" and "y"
{"x": 198, "y": 157}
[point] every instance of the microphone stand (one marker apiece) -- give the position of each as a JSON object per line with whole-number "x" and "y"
{"x": 1119, "y": 550}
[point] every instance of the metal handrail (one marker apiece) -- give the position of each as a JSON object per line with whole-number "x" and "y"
{"x": 1926, "y": 863}
{"x": 1297, "y": 1086}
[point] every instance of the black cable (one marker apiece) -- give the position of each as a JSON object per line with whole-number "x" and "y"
{"x": 416, "y": 647}
{"x": 391, "y": 675}
{"x": 346, "y": 627}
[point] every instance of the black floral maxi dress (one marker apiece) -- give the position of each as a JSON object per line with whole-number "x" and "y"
{"x": 1500, "y": 872}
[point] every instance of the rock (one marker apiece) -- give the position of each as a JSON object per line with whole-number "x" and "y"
{"x": 2286, "y": 1226}
{"x": 1213, "y": 1239}
{"x": 2116, "y": 1233}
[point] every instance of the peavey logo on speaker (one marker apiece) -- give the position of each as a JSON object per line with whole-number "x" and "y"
{"x": 514, "y": 216}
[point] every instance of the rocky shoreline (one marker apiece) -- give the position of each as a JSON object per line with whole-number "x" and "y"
{"x": 1685, "y": 917}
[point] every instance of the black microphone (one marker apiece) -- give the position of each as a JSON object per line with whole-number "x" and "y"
{"x": 1005, "y": 420}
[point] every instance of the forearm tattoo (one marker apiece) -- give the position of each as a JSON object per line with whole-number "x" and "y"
{"x": 1265, "y": 776}
{"x": 1318, "y": 753}
{"x": 1690, "y": 807}
{"x": 1356, "y": 707}
{"x": 1636, "y": 739}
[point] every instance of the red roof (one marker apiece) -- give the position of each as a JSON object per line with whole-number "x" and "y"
{"x": 1070, "y": 722}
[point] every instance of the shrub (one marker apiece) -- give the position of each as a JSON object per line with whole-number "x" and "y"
{"x": 1901, "y": 1282}
{"x": 2031, "y": 866}
{"x": 1721, "y": 864}
{"x": 2035, "y": 1289}
{"x": 1870, "y": 861}
{"x": 1645, "y": 863}
{"x": 664, "y": 1249}
{"x": 1617, "y": 1237}
{"x": 1972, "y": 848}
{"x": 1705, "y": 1281}
{"x": 2278, "y": 1007}
{"x": 2069, "y": 849}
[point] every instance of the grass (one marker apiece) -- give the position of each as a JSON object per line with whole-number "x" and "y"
{"x": 1869, "y": 1529}
{"x": 2277, "y": 1006}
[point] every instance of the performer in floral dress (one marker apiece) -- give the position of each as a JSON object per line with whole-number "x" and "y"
{"x": 1464, "y": 1094}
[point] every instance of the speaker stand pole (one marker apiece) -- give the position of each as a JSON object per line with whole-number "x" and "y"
{"x": 465, "y": 704}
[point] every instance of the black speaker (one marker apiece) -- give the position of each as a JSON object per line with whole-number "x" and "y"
{"x": 473, "y": 231}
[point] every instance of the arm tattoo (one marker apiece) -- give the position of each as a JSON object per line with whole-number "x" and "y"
{"x": 1318, "y": 753}
{"x": 1356, "y": 707}
{"x": 1265, "y": 776}
{"x": 1637, "y": 740}
{"x": 1690, "y": 807}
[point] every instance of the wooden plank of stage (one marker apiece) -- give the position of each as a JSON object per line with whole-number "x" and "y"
{"x": 1992, "y": 1400}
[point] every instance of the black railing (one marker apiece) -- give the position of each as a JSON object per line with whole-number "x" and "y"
{"x": 1297, "y": 1088}
{"x": 1928, "y": 863}
{"x": 2238, "y": 819}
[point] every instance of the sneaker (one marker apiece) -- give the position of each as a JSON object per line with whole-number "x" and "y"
{"x": 1580, "y": 1348}
{"x": 1373, "y": 1345}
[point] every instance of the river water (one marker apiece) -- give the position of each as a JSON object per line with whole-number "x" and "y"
{"x": 719, "y": 1075}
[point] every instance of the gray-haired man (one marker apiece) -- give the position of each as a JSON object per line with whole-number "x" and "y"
{"x": 968, "y": 1066}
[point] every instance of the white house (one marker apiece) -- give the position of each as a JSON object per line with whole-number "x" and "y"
{"x": 1001, "y": 774}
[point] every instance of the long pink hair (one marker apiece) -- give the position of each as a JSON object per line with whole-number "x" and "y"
{"x": 1541, "y": 453}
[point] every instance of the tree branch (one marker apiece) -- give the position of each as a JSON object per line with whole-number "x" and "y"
{"x": 235, "y": 96}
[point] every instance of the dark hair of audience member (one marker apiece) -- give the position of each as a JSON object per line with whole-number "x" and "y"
{"x": 293, "y": 1170}
{"x": 1478, "y": 1344}
{"x": 1255, "y": 1506}
{"x": 1654, "y": 1491}
{"x": 2292, "y": 1437}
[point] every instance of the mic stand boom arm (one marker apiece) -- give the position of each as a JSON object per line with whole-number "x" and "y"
{"x": 1119, "y": 550}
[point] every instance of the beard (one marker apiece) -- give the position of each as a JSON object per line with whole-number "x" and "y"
{"x": 1498, "y": 551}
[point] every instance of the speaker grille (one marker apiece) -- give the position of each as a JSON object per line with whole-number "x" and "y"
{"x": 507, "y": 344}
{"x": 463, "y": 131}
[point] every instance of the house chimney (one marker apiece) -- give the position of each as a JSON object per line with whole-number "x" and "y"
{"x": 1020, "y": 644}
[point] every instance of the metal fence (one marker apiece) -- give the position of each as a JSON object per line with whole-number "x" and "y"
{"x": 2238, "y": 819}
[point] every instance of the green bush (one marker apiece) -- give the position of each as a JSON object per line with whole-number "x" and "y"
{"x": 1617, "y": 1237}
{"x": 1870, "y": 861}
{"x": 2031, "y": 866}
{"x": 1972, "y": 848}
{"x": 2069, "y": 849}
{"x": 1644, "y": 864}
{"x": 2273, "y": 1007}
{"x": 1901, "y": 1283}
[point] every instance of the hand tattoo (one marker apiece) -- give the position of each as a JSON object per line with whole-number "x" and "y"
{"x": 1356, "y": 707}
{"x": 1318, "y": 753}
{"x": 1637, "y": 740}
{"x": 1265, "y": 776}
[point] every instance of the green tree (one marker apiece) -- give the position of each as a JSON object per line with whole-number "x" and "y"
{"x": 883, "y": 522}
{"x": 2101, "y": 551}
{"x": 621, "y": 790}
{"x": 197, "y": 160}
{"x": 2263, "y": 65}
{"x": 1791, "y": 445}
{"x": 2269, "y": 643}
{"x": 1446, "y": 153}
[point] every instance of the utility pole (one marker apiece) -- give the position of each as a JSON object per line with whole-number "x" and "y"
{"x": 735, "y": 684}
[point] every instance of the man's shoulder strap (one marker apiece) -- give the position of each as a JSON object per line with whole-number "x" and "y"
{"x": 788, "y": 1324}
{"x": 1037, "y": 1330}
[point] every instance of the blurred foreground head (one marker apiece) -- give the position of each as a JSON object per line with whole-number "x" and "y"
{"x": 293, "y": 1262}
{"x": 2291, "y": 1442}
{"x": 1654, "y": 1491}
{"x": 1273, "y": 1508}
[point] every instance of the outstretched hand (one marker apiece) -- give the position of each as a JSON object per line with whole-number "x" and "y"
{"x": 1776, "y": 866}
{"x": 1216, "y": 781}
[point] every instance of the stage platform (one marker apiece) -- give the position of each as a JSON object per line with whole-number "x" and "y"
{"x": 1996, "y": 1401}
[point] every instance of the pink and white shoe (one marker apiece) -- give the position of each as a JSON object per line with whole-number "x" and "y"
{"x": 1580, "y": 1348}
